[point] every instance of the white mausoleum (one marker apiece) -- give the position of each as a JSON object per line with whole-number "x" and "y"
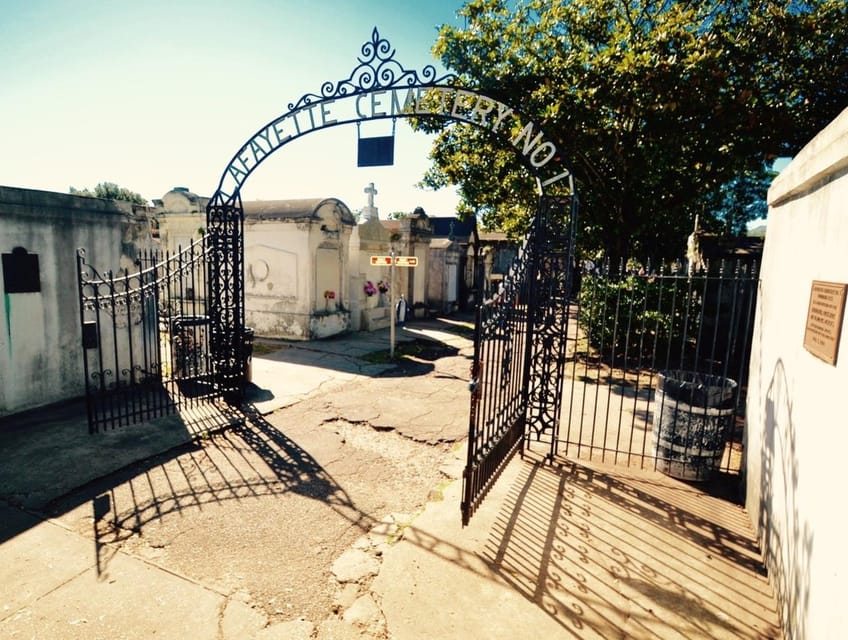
{"x": 296, "y": 257}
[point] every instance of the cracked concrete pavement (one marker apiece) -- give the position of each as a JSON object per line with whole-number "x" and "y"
{"x": 331, "y": 512}
{"x": 274, "y": 528}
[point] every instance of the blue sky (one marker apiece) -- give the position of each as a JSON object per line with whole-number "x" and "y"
{"x": 153, "y": 94}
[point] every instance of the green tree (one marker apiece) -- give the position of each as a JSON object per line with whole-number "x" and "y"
{"x": 657, "y": 104}
{"x": 110, "y": 191}
{"x": 738, "y": 202}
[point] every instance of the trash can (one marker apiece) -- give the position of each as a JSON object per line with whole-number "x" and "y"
{"x": 693, "y": 418}
{"x": 247, "y": 353}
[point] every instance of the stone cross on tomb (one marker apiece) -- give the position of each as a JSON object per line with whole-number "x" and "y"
{"x": 369, "y": 212}
{"x": 371, "y": 191}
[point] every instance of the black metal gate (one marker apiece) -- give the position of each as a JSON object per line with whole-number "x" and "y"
{"x": 634, "y": 320}
{"x": 225, "y": 250}
{"x": 519, "y": 350}
{"x": 146, "y": 338}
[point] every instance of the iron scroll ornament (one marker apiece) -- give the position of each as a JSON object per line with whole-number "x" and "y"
{"x": 377, "y": 69}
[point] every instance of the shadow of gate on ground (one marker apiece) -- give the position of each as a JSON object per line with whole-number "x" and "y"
{"x": 613, "y": 553}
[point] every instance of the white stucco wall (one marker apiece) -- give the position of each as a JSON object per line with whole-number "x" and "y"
{"x": 443, "y": 276}
{"x": 419, "y": 276}
{"x": 40, "y": 340}
{"x": 797, "y": 422}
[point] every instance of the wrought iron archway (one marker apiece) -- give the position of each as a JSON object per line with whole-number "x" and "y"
{"x": 520, "y": 330}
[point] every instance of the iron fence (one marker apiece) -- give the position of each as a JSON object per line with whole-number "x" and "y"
{"x": 627, "y": 326}
{"x": 146, "y": 337}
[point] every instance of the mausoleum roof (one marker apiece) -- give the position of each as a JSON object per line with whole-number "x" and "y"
{"x": 185, "y": 191}
{"x": 452, "y": 227}
{"x": 493, "y": 236}
{"x": 298, "y": 209}
{"x": 180, "y": 200}
{"x": 441, "y": 243}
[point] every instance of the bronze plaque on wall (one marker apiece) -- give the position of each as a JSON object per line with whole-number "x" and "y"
{"x": 824, "y": 320}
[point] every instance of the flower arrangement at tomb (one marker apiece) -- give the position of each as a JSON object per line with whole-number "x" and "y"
{"x": 369, "y": 288}
{"x": 383, "y": 286}
{"x": 329, "y": 295}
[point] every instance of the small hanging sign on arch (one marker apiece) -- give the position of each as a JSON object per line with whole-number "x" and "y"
{"x": 376, "y": 151}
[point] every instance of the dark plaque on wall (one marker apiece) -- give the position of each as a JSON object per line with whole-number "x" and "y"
{"x": 824, "y": 320}
{"x": 20, "y": 272}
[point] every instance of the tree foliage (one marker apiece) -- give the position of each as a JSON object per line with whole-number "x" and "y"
{"x": 110, "y": 191}
{"x": 658, "y": 105}
{"x": 737, "y": 202}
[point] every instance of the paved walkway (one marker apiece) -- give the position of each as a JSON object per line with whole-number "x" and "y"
{"x": 569, "y": 551}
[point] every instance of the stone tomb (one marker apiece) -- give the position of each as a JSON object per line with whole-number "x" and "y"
{"x": 411, "y": 235}
{"x": 179, "y": 218}
{"x": 374, "y": 308}
{"x": 296, "y": 257}
{"x": 308, "y": 265}
{"x": 444, "y": 275}
{"x": 371, "y": 238}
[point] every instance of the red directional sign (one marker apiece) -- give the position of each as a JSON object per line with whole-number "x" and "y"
{"x": 400, "y": 261}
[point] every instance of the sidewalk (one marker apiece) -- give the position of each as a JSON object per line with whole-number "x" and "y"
{"x": 562, "y": 552}
{"x": 48, "y": 452}
{"x": 579, "y": 551}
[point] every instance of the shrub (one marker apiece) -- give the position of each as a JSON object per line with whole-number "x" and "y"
{"x": 636, "y": 316}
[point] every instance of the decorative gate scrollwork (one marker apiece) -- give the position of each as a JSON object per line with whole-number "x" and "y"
{"x": 146, "y": 338}
{"x": 519, "y": 351}
{"x": 225, "y": 240}
{"x": 550, "y": 293}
